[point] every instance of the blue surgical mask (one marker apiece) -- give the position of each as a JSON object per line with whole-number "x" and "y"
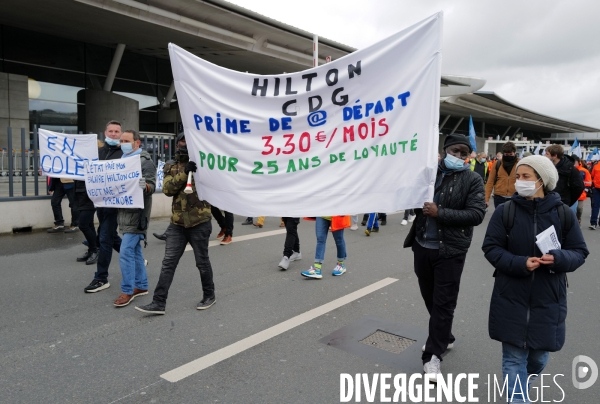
{"x": 127, "y": 148}
{"x": 453, "y": 163}
{"x": 112, "y": 142}
{"x": 482, "y": 161}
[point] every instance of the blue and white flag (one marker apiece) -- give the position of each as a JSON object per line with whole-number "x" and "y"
{"x": 537, "y": 149}
{"x": 472, "y": 134}
{"x": 593, "y": 154}
{"x": 576, "y": 149}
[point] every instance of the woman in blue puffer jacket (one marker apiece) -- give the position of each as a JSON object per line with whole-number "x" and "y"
{"x": 529, "y": 302}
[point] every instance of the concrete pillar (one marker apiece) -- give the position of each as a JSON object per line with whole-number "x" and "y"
{"x": 102, "y": 106}
{"x": 14, "y": 108}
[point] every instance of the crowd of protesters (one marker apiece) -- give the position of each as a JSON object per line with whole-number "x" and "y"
{"x": 531, "y": 193}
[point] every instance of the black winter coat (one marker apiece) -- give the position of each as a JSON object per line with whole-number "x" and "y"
{"x": 528, "y": 308}
{"x": 461, "y": 205}
{"x": 570, "y": 184}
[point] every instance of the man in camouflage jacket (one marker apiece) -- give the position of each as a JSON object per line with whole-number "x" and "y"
{"x": 190, "y": 223}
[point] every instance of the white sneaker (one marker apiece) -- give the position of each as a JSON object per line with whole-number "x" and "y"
{"x": 284, "y": 263}
{"x": 450, "y": 346}
{"x": 295, "y": 256}
{"x": 404, "y": 222}
{"x": 146, "y": 263}
{"x": 354, "y": 227}
{"x": 433, "y": 368}
{"x": 411, "y": 218}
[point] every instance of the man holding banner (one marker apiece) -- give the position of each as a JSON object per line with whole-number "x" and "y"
{"x": 107, "y": 217}
{"x": 133, "y": 224}
{"x": 190, "y": 223}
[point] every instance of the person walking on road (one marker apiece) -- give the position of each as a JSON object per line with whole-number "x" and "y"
{"x": 569, "y": 185}
{"x": 190, "y": 223}
{"x": 107, "y": 230}
{"x": 322, "y": 225}
{"x": 501, "y": 177}
{"x": 528, "y": 307}
{"x": 225, "y": 221}
{"x": 59, "y": 188}
{"x": 291, "y": 247}
{"x": 440, "y": 237}
{"x": 409, "y": 217}
{"x": 133, "y": 224}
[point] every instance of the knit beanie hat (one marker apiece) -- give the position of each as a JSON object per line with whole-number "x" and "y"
{"x": 544, "y": 167}
{"x": 457, "y": 139}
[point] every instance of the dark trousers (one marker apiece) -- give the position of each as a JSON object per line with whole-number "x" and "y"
{"x": 380, "y": 216}
{"x": 292, "y": 241}
{"x": 177, "y": 239}
{"x": 86, "y": 225}
{"x": 109, "y": 240}
{"x": 595, "y": 206}
{"x": 499, "y": 200}
{"x": 408, "y": 212}
{"x": 55, "y": 202}
{"x": 439, "y": 281}
{"x": 224, "y": 222}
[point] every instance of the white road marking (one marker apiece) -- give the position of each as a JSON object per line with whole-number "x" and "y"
{"x": 235, "y": 239}
{"x": 227, "y": 352}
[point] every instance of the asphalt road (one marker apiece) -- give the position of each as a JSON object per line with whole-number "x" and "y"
{"x": 60, "y": 345}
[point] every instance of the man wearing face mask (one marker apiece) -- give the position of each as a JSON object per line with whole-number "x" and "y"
{"x": 440, "y": 237}
{"x": 570, "y": 184}
{"x": 480, "y": 166}
{"x": 133, "y": 224}
{"x": 107, "y": 217}
{"x": 502, "y": 176}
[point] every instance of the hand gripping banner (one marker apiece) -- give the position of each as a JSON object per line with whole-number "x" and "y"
{"x": 359, "y": 134}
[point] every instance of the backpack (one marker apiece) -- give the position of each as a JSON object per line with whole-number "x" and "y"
{"x": 566, "y": 219}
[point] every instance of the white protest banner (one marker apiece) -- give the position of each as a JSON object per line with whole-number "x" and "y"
{"x": 160, "y": 175}
{"x": 63, "y": 155}
{"x": 115, "y": 183}
{"x": 359, "y": 134}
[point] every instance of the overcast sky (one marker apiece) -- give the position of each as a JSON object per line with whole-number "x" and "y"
{"x": 543, "y": 55}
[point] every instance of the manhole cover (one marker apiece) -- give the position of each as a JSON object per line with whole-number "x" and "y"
{"x": 387, "y": 342}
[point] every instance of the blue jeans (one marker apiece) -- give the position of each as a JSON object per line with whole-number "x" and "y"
{"x": 595, "y": 206}
{"x": 574, "y": 207}
{"x": 373, "y": 222}
{"x": 520, "y": 362}
{"x": 321, "y": 229}
{"x": 132, "y": 265}
{"x": 109, "y": 240}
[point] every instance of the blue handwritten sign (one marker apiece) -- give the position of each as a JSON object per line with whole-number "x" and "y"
{"x": 63, "y": 155}
{"x": 115, "y": 183}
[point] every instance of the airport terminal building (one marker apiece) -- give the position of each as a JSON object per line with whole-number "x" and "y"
{"x": 72, "y": 65}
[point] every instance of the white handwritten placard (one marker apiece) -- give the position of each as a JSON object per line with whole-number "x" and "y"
{"x": 63, "y": 155}
{"x": 115, "y": 183}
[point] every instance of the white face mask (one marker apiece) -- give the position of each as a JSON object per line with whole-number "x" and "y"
{"x": 526, "y": 188}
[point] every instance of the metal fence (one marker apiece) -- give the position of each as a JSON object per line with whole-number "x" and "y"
{"x": 21, "y": 164}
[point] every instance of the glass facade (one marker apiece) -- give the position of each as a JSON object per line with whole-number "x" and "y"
{"x": 58, "y": 69}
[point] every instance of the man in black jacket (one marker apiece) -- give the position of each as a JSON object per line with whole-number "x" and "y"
{"x": 570, "y": 185}
{"x": 440, "y": 237}
{"x": 107, "y": 217}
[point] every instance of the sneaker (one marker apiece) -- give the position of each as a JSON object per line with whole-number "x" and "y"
{"x": 281, "y": 224}
{"x": 96, "y": 286}
{"x": 592, "y": 227}
{"x": 354, "y": 227}
{"x": 433, "y": 368}
{"x": 93, "y": 258}
{"x": 145, "y": 263}
{"x": 296, "y": 256}
{"x": 139, "y": 292}
{"x": 450, "y": 346}
{"x": 312, "y": 273}
{"x": 363, "y": 223}
{"x": 367, "y": 232}
{"x": 339, "y": 269}
{"x": 384, "y": 222}
{"x": 247, "y": 222}
{"x": 162, "y": 237}
{"x": 84, "y": 257}
{"x": 226, "y": 240}
{"x": 205, "y": 303}
{"x": 152, "y": 308}
{"x": 85, "y": 243}
{"x": 258, "y": 225}
{"x": 284, "y": 263}
{"x": 375, "y": 230}
{"x": 221, "y": 233}
{"x": 123, "y": 300}
{"x": 411, "y": 218}
{"x": 404, "y": 222}
{"x": 56, "y": 229}
{"x": 71, "y": 229}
